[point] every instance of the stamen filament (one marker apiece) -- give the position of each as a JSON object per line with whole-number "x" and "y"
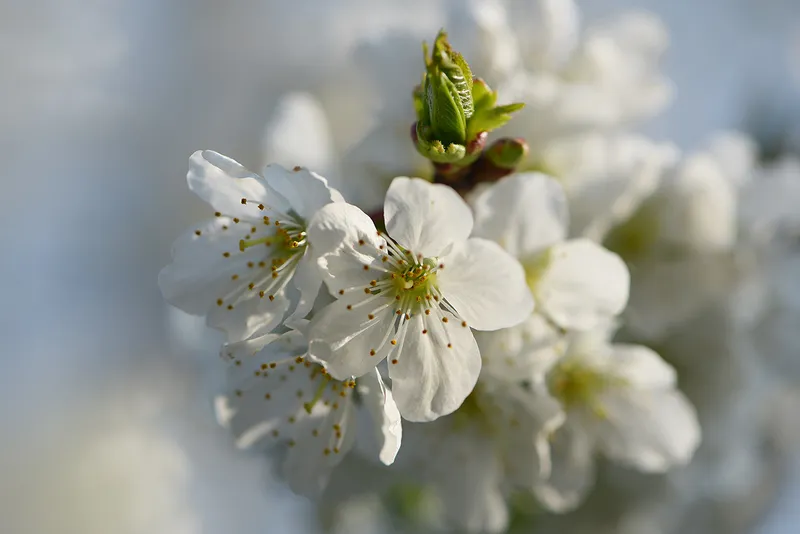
{"x": 308, "y": 406}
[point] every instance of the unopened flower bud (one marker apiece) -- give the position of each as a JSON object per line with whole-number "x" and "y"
{"x": 507, "y": 153}
{"x": 453, "y": 109}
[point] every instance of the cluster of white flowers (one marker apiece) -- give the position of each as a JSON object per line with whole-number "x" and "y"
{"x": 489, "y": 343}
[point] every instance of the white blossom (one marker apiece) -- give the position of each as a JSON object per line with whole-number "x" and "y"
{"x": 576, "y": 283}
{"x": 495, "y": 444}
{"x": 621, "y": 400}
{"x": 411, "y": 295}
{"x": 249, "y": 266}
{"x": 279, "y": 395}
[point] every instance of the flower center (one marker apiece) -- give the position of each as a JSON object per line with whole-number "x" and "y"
{"x": 634, "y": 238}
{"x": 576, "y": 385}
{"x": 417, "y": 283}
{"x": 535, "y": 267}
{"x": 289, "y": 239}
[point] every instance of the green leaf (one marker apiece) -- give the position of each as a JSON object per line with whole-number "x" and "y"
{"x": 447, "y": 120}
{"x": 482, "y": 95}
{"x": 486, "y": 120}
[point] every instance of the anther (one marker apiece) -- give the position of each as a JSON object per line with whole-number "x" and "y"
{"x": 394, "y": 362}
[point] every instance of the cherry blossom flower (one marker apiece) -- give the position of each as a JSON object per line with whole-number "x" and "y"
{"x": 411, "y": 295}
{"x": 576, "y": 283}
{"x": 279, "y": 395}
{"x": 621, "y": 400}
{"x": 249, "y": 266}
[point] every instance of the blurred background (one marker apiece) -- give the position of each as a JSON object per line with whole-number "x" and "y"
{"x": 105, "y": 391}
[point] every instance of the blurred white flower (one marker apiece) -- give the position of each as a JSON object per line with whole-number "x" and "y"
{"x": 576, "y": 284}
{"x": 277, "y": 394}
{"x": 607, "y": 78}
{"x": 620, "y": 400}
{"x": 606, "y": 176}
{"x": 410, "y": 296}
{"x": 685, "y": 235}
{"x": 495, "y": 444}
{"x": 235, "y": 268}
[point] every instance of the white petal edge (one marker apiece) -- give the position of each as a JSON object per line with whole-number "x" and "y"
{"x": 524, "y": 213}
{"x": 485, "y": 285}
{"x": 583, "y": 285}
{"x": 387, "y": 429}
{"x": 424, "y": 217}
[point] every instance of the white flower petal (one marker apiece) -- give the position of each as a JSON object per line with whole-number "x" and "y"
{"x": 271, "y": 381}
{"x": 200, "y": 273}
{"x": 350, "y": 342}
{"x": 223, "y": 183}
{"x": 336, "y": 234}
{"x": 642, "y": 367}
{"x": 650, "y": 430}
{"x": 532, "y": 419}
{"x": 249, "y": 314}
{"x": 436, "y": 370}
{"x": 426, "y": 218}
{"x": 307, "y": 280}
{"x": 525, "y": 213}
{"x": 307, "y": 466}
{"x": 210, "y": 276}
{"x": 299, "y": 134}
{"x": 573, "y": 470}
{"x": 383, "y": 434}
{"x": 472, "y": 494}
{"x": 583, "y": 286}
{"x": 485, "y": 285}
{"x": 305, "y": 191}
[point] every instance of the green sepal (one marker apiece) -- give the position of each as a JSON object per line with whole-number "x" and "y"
{"x": 487, "y": 116}
{"x": 435, "y": 150}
